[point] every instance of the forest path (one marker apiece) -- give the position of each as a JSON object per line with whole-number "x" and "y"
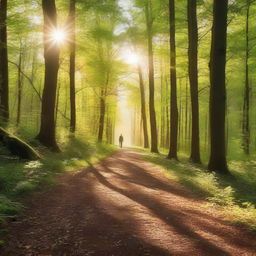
{"x": 123, "y": 206}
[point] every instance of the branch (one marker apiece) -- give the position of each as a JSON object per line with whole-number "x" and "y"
{"x": 28, "y": 78}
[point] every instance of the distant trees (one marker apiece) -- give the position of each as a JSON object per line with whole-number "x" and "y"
{"x": 4, "y": 80}
{"x": 103, "y": 70}
{"x": 218, "y": 160}
{"x": 47, "y": 134}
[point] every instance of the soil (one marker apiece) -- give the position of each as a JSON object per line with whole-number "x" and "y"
{"x": 123, "y": 206}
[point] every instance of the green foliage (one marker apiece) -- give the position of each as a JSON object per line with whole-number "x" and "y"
{"x": 24, "y": 186}
{"x": 8, "y": 208}
{"x": 223, "y": 197}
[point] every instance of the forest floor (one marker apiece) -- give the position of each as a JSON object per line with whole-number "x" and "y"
{"x": 123, "y": 206}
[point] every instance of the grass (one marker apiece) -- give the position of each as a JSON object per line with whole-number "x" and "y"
{"x": 20, "y": 179}
{"x": 234, "y": 194}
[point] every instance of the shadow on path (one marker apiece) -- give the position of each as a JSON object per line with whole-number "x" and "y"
{"x": 123, "y": 206}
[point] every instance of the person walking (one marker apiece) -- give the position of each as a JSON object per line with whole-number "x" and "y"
{"x": 121, "y": 139}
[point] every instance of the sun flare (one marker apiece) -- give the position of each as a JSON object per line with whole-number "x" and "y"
{"x": 133, "y": 58}
{"x": 58, "y": 36}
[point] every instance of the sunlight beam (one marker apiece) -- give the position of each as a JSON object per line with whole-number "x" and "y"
{"x": 58, "y": 36}
{"x": 132, "y": 58}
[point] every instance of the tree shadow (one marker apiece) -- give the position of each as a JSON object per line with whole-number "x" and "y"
{"x": 87, "y": 216}
{"x": 172, "y": 218}
{"x": 243, "y": 184}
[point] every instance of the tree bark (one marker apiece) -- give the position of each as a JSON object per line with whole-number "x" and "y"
{"x": 246, "y": 106}
{"x": 193, "y": 78}
{"x": 19, "y": 87}
{"x": 143, "y": 108}
{"x": 174, "y": 107}
{"x": 72, "y": 67}
{"x": 218, "y": 160}
{"x": 152, "y": 112}
{"x": 4, "y": 79}
{"x": 167, "y": 112}
{"x": 51, "y": 54}
{"x": 102, "y": 117}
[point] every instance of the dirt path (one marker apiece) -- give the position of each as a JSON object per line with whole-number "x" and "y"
{"x": 123, "y": 206}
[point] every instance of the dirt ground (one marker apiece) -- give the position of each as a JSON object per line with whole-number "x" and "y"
{"x": 123, "y": 206}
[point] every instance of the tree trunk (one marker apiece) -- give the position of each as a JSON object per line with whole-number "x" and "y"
{"x": 218, "y": 160}
{"x": 72, "y": 67}
{"x": 186, "y": 117}
{"x": 19, "y": 87}
{"x": 193, "y": 78}
{"x": 143, "y": 108}
{"x": 246, "y": 107}
{"x": 51, "y": 54}
{"x": 174, "y": 107}
{"x": 4, "y": 80}
{"x": 167, "y": 111}
{"x": 152, "y": 112}
{"x": 102, "y": 117}
{"x": 162, "y": 103}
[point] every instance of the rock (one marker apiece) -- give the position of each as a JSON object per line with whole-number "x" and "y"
{"x": 17, "y": 147}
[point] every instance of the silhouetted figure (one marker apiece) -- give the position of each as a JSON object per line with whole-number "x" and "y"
{"x": 121, "y": 139}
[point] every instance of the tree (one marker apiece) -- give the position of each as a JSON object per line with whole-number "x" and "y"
{"x": 72, "y": 64}
{"x": 246, "y": 106}
{"x": 174, "y": 107}
{"x": 218, "y": 160}
{"x": 152, "y": 112}
{"x": 4, "y": 80}
{"x": 51, "y": 55}
{"x": 193, "y": 78}
{"x": 143, "y": 108}
{"x": 19, "y": 85}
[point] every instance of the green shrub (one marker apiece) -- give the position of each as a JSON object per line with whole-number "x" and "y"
{"x": 24, "y": 186}
{"x": 8, "y": 207}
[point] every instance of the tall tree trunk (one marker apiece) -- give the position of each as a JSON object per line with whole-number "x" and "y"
{"x": 4, "y": 80}
{"x": 193, "y": 78}
{"x": 246, "y": 106}
{"x": 162, "y": 123}
{"x": 57, "y": 104}
{"x": 167, "y": 112}
{"x": 218, "y": 160}
{"x": 180, "y": 120}
{"x": 102, "y": 116}
{"x": 72, "y": 14}
{"x": 174, "y": 107}
{"x": 143, "y": 108}
{"x": 186, "y": 116}
{"x": 152, "y": 112}
{"x": 19, "y": 87}
{"x": 51, "y": 54}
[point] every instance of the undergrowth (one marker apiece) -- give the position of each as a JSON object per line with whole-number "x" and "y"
{"x": 18, "y": 179}
{"x": 234, "y": 194}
